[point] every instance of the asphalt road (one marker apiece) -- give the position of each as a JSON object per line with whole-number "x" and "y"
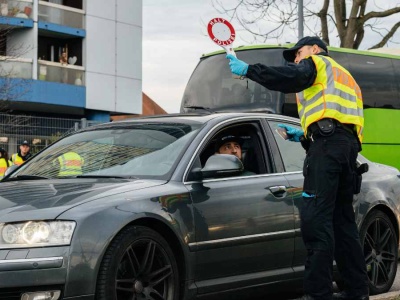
{"x": 396, "y": 283}
{"x": 292, "y": 295}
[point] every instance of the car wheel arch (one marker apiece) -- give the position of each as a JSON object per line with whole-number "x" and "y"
{"x": 388, "y": 212}
{"x": 174, "y": 242}
{"x": 170, "y": 236}
{"x": 380, "y": 208}
{"x": 138, "y": 261}
{"x": 377, "y": 267}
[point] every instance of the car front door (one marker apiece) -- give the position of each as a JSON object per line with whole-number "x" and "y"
{"x": 244, "y": 225}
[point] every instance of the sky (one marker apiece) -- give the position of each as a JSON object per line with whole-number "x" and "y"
{"x": 175, "y": 37}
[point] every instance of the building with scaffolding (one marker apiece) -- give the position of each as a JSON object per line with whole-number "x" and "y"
{"x": 67, "y": 60}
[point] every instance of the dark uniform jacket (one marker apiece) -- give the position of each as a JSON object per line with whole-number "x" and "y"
{"x": 292, "y": 78}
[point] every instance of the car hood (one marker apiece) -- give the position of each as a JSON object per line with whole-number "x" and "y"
{"x": 46, "y": 199}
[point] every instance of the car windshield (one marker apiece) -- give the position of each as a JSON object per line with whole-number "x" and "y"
{"x": 213, "y": 86}
{"x": 142, "y": 150}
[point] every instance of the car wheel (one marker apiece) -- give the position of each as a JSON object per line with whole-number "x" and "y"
{"x": 379, "y": 241}
{"x": 138, "y": 264}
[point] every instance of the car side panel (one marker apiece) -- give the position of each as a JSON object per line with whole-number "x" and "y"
{"x": 241, "y": 228}
{"x": 98, "y": 223}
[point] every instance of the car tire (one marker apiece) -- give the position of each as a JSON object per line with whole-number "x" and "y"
{"x": 379, "y": 240}
{"x": 138, "y": 264}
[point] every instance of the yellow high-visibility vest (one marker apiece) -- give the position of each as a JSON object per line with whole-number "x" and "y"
{"x": 4, "y": 166}
{"x": 334, "y": 94}
{"x": 16, "y": 159}
{"x": 70, "y": 164}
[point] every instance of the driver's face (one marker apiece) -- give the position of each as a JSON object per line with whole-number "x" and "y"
{"x": 232, "y": 148}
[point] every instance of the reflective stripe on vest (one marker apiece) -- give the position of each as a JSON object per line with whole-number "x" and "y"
{"x": 334, "y": 94}
{"x": 3, "y": 167}
{"x": 70, "y": 164}
{"x": 16, "y": 159}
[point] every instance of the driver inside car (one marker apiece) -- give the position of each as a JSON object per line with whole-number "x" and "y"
{"x": 231, "y": 144}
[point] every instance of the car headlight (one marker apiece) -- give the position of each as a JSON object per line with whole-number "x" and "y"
{"x": 36, "y": 234}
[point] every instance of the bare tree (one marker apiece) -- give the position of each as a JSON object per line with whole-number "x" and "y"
{"x": 14, "y": 81}
{"x": 346, "y": 19}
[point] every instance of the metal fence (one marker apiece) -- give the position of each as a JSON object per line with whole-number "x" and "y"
{"x": 38, "y": 131}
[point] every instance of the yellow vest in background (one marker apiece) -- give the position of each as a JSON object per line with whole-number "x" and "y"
{"x": 70, "y": 164}
{"x": 334, "y": 94}
{"x": 16, "y": 159}
{"x": 3, "y": 166}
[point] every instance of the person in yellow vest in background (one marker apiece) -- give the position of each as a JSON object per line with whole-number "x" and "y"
{"x": 4, "y": 162}
{"x": 330, "y": 108}
{"x": 70, "y": 164}
{"x": 23, "y": 154}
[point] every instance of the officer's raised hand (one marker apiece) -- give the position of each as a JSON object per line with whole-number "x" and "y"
{"x": 294, "y": 134}
{"x": 238, "y": 67}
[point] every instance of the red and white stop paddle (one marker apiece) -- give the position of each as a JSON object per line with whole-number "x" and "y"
{"x": 222, "y": 33}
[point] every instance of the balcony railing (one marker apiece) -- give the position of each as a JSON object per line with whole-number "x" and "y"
{"x": 16, "y": 8}
{"x": 56, "y": 72}
{"x": 15, "y": 67}
{"x": 60, "y": 14}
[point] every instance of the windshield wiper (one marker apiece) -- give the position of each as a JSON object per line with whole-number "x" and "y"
{"x": 25, "y": 177}
{"x": 104, "y": 176}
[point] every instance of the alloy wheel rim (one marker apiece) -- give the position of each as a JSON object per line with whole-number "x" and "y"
{"x": 144, "y": 273}
{"x": 379, "y": 246}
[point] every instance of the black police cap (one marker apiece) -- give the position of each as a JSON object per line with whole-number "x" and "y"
{"x": 290, "y": 54}
{"x": 221, "y": 140}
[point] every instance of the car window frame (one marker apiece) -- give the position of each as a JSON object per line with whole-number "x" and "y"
{"x": 127, "y": 125}
{"x": 272, "y": 143}
{"x": 259, "y": 128}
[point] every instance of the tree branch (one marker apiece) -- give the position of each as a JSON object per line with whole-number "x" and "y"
{"x": 323, "y": 13}
{"x": 359, "y": 38}
{"x": 387, "y": 36}
{"x": 339, "y": 7}
{"x": 271, "y": 19}
{"x": 382, "y": 14}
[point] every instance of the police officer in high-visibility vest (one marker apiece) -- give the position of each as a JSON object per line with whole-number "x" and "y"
{"x": 23, "y": 153}
{"x": 70, "y": 164}
{"x": 330, "y": 107}
{"x": 4, "y": 162}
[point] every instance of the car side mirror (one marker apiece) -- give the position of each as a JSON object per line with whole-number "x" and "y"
{"x": 222, "y": 164}
{"x": 10, "y": 169}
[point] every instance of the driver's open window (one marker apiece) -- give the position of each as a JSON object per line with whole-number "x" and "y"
{"x": 250, "y": 147}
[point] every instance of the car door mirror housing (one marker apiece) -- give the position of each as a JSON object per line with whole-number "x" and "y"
{"x": 219, "y": 165}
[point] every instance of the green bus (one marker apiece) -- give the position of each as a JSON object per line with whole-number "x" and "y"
{"x": 212, "y": 87}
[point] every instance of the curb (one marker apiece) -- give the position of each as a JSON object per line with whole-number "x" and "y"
{"x": 386, "y": 296}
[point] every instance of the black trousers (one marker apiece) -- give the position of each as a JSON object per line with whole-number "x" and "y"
{"x": 328, "y": 222}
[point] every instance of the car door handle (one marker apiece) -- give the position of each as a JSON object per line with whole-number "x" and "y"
{"x": 278, "y": 190}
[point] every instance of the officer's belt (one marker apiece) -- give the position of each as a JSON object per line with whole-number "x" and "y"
{"x": 313, "y": 129}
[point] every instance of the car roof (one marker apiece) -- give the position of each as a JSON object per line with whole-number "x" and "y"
{"x": 192, "y": 118}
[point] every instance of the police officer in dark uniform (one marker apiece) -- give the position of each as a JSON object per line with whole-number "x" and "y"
{"x": 331, "y": 113}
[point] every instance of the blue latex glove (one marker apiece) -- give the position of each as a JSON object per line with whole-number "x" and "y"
{"x": 237, "y": 66}
{"x": 294, "y": 134}
{"x": 305, "y": 195}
